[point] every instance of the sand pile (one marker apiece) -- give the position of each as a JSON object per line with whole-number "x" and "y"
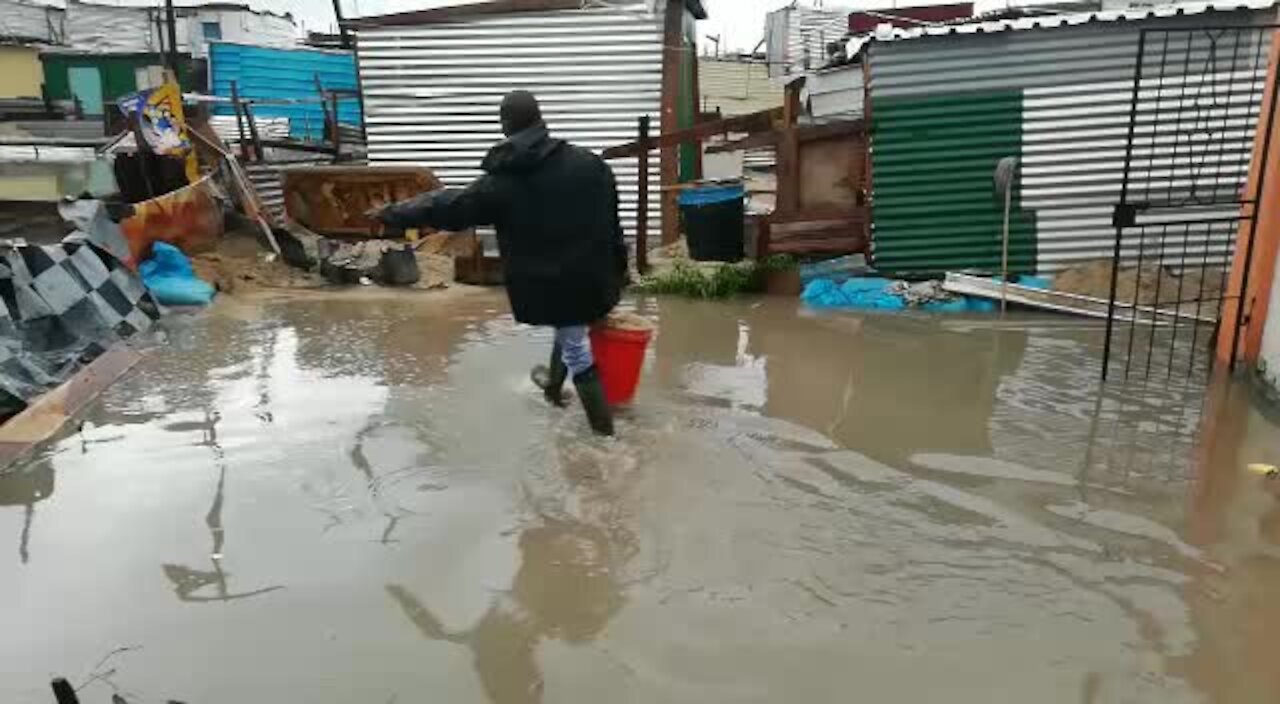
{"x": 450, "y": 244}
{"x": 239, "y": 265}
{"x": 1148, "y": 285}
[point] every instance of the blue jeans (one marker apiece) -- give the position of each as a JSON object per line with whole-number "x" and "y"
{"x": 575, "y": 348}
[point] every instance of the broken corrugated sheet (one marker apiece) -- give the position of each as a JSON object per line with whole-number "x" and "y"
{"x": 285, "y": 74}
{"x": 948, "y": 104}
{"x": 228, "y": 128}
{"x": 432, "y": 91}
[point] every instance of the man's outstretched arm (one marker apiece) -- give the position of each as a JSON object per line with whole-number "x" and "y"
{"x": 449, "y": 209}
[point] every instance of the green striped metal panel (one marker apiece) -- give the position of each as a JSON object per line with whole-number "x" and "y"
{"x": 934, "y": 205}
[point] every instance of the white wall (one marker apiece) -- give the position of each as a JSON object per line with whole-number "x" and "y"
{"x": 1269, "y": 358}
{"x": 238, "y": 26}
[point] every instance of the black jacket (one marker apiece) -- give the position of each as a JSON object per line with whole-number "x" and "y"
{"x": 555, "y": 207}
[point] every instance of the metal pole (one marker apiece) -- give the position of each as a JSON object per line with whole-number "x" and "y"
{"x": 253, "y": 132}
{"x": 642, "y": 200}
{"x": 1004, "y": 251}
{"x": 235, "y": 105}
{"x": 342, "y": 26}
{"x": 1124, "y": 194}
{"x": 172, "y": 20}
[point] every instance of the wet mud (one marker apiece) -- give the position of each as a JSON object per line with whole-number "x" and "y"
{"x": 322, "y": 498}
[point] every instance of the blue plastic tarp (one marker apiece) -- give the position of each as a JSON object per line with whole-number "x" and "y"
{"x": 871, "y": 293}
{"x": 171, "y": 280}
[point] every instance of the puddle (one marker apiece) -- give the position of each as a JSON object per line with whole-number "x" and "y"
{"x": 326, "y": 499}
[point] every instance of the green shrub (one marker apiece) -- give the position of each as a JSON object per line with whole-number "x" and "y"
{"x": 686, "y": 279}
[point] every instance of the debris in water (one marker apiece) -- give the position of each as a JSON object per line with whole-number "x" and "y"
{"x": 1270, "y": 471}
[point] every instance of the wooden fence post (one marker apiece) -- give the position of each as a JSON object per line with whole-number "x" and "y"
{"x": 642, "y": 200}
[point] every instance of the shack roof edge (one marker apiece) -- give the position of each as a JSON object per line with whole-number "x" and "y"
{"x": 494, "y": 7}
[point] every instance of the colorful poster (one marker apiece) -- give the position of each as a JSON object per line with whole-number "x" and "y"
{"x": 161, "y": 122}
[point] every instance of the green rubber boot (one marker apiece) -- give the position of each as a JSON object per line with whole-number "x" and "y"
{"x": 591, "y": 392}
{"x": 550, "y": 378}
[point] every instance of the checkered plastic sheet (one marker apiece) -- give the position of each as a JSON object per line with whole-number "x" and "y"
{"x": 60, "y": 307}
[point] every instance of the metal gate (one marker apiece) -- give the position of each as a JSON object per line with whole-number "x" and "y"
{"x": 1186, "y": 197}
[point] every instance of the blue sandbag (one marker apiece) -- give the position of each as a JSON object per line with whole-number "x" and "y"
{"x": 170, "y": 278}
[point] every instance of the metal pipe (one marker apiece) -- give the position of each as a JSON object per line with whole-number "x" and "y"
{"x": 1124, "y": 194}
{"x": 172, "y": 20}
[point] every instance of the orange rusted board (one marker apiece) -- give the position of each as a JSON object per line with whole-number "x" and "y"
{"x": 333, "y": 200}
{"x": 189, "y": 218}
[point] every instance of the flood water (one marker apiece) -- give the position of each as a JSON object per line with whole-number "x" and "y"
{"x": 335, "y": 499}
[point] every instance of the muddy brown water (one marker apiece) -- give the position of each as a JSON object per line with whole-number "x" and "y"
{"x": 328, "y": 499}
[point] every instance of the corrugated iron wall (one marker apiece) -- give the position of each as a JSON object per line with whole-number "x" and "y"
{"x": 285, "y": 74}
{"x": 946, "y": 108}
{"x": 432, "y": 91}
{"x": 835, "y": 94}
{"x": 736, "y": 87}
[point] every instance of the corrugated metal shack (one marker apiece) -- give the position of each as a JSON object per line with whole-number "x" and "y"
{"x": 796, "y": 37}
{"x": 433, "y": 80}
{"x": 278, "y": 75}
{"x": 948, "y": 102}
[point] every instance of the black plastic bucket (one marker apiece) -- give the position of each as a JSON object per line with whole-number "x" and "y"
{"x": 713, "y": 218}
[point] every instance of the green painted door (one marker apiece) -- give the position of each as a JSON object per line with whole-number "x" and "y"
{"x": 86, "y": 86}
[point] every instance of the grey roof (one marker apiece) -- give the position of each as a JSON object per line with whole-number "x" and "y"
{"x": 1134, "y": 14}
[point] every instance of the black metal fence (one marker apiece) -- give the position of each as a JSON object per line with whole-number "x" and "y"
{"x": 1200, "y": 97}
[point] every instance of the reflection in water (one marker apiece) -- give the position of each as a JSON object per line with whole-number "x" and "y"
{"x": 568, "y": 585}
{"x": 26, "y": 488}
{"x": 187, "y": 581}
{"x": 564, "y": 590}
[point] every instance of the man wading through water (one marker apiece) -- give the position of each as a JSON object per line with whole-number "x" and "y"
{"x": 555, "y": 207}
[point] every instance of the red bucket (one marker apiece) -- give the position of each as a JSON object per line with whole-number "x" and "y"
{"x": 619, "y": 355}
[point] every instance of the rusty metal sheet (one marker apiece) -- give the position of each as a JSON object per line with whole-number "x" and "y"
{"x": 333, "y": 200}
{"x": 189, "y": 218}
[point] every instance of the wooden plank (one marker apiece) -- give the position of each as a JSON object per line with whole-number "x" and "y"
{"x": 46, "y": 415}
{"x": 1057, "y": 301}
{"x": 845, "y": 245}
{"x": 804, "y": 134}
{"x": 753, "y": 122}
{"x": 758, "y": 140}
{"x": 816, "y": 233}
{"x": 788, "y": 170}
{"x": 669, "y": 120}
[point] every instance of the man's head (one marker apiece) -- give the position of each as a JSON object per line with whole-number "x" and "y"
{"x": 519, "y": 111}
